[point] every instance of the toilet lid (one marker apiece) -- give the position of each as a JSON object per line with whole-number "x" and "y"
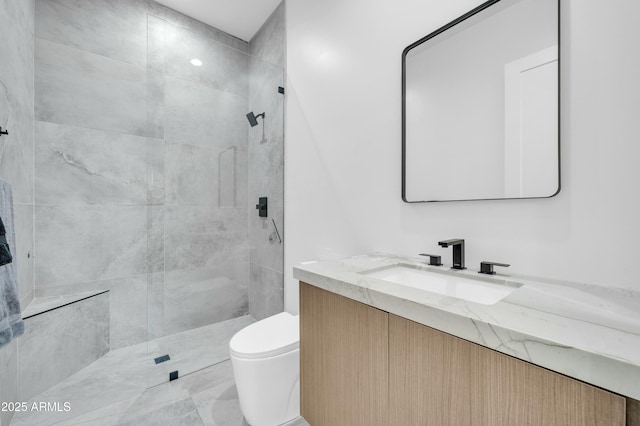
{"x": 268, "y": 337}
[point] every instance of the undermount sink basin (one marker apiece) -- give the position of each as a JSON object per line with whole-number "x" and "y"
{"x": 486, "y": 291}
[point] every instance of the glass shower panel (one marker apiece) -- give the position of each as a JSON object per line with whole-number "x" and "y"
{"x": 98, "y": 214}
{"x": 266, "y": 179}
{"x": 201, "y": 297}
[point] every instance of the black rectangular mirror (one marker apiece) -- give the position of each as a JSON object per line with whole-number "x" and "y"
{"x": 480, "y": 106}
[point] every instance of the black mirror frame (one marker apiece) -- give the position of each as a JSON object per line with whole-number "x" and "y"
{"x": 440, "y": 30}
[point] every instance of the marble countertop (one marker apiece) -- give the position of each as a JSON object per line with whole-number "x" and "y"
{"x": 588, "y": 332}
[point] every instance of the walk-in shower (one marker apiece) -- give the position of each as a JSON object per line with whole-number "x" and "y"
{"x": 144, "y": 176}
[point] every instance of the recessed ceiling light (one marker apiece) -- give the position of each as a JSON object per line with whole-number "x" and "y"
{"x": 196, "y": 62}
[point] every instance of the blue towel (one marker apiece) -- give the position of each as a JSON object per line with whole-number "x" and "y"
{"x": 11, "y": 325}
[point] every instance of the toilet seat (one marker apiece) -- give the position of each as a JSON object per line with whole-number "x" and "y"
{"x": 267, "y": 338}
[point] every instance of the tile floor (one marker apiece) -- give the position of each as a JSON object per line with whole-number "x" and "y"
{"x": 114, "y": 391}
{"x": 193, "y": 350}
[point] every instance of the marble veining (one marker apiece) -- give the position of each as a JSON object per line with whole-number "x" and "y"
{"x": 584, "y": 331}
{"x": 75, "y": 165}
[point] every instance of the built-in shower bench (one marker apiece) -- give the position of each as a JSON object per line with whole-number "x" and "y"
{"x": 63, "y": 334}
{"x": 41, "y": 305}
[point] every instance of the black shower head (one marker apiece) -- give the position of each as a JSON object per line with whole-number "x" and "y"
{"x": 253, "y": 119}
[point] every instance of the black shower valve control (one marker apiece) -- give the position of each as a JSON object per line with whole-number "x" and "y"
{"x": 262, "y": 206}
{"x": 3, "y": 132}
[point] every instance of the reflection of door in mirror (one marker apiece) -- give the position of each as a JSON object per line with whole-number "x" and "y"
{"x": 531, "y": 125}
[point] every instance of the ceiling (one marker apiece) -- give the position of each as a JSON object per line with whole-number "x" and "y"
{"x": 240, "y": 18}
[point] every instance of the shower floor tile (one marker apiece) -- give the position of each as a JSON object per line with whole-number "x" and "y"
{"x": 126, "y": 386}
{"x": 196, "y": 349}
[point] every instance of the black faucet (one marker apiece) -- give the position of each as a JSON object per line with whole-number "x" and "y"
{"x": 458, "y": 251}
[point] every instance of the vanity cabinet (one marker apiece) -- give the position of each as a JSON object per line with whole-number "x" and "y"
{"x": 363, "y": 366}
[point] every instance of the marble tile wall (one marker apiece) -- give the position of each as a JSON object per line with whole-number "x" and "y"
{"x": 198, "y": 114}
{"x": 118, "y": 31}
{"x": 223, "y": 288}
{"x": 96, "y": 242}
{"x": 96, "y": 167}
{"x": 204, "y": 31}
{"x": 99, "y": 156}
{"x": 269, "y": 42}
{"x": 141, "y": 159}
{"x": 72, "y": 87}
{"x": 223, "y": 67}
{"x": 16, "y": 159}
{"x": 266, "y": 167}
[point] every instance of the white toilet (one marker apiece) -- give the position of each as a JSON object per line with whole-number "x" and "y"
{"x": 266, "y": 364}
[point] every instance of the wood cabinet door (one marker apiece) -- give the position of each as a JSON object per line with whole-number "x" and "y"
{"x": 343, "y": 360}
{"x": 439, "y": 379}
{"x": 429, "y": 376}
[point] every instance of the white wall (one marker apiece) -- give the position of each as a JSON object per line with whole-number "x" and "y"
{"x": 342, "y": 176}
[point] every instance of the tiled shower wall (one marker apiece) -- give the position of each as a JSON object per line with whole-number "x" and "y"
{"x": 266, "y": 167}
{"x": 16, "y": 159}
{"x": 141, "y": 164}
